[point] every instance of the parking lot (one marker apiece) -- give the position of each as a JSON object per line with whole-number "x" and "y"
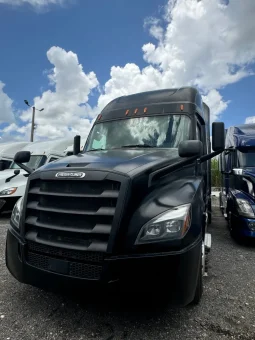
{"x": 227, "y": 310}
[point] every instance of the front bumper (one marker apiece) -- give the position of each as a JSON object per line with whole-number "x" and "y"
{"x": 241, "y": 226}
{"x": 174, "y": 273}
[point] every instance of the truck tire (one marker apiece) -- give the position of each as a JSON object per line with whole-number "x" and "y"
{"x": 199, "y": 287}
{"x": 233, "y": 233}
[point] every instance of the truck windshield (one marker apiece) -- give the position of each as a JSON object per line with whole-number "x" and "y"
{"x": 34, "y": 162}
{"x": 156, "y": 131}
{"x": 246, "y": 158}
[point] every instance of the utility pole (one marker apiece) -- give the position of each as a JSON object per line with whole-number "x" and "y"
{"x": 33, "y": 119}
{"x": 33, "y": 125}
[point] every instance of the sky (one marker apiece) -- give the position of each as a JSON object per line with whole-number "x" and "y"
{"x": 71, "y": 57}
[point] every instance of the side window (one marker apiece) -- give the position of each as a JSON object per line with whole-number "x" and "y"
{"x": 198, "y": 132}
{"x": 52, "y": 159}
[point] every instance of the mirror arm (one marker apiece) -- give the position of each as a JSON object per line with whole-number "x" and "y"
{"x": 10, "y": 178}
{"x": 24, "y": 167}
{"x": 210, "y": 155}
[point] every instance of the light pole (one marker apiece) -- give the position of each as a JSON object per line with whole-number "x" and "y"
{"x": 33, "y": 119}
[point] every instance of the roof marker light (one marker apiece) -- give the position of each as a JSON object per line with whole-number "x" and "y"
{"x": 99, "y": 117}
{"x": 182, "y": 107}
{"x": 136, "y": 110}
{"x": 145, "y": 110}
{"x": 127, "y": 112}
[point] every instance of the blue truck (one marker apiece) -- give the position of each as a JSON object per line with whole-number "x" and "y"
{"x": 237, "y": 165}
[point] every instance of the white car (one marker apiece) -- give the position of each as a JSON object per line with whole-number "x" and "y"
{"x": 13, "y": 181}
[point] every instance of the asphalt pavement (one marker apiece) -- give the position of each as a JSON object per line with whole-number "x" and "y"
{"x": 227, "y": 309}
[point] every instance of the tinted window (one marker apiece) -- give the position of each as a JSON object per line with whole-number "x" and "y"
{"x": 246, "y": 158}
{"x": 52, "y": 159}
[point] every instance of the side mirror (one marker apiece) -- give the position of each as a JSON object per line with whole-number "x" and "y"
{"x": 190, "y": 148}
{"x": 218, "y": 136}
{"x": 76, "y": 145}
{"x": 16, "y": 172}
{"x": 22, "y": 157}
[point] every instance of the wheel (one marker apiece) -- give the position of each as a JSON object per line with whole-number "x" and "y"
{"x": 233, "y": 233}
{"x": 199, "y": 287}
{"x": 230, "y": 224}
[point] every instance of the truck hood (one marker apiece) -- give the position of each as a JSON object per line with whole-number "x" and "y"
{"x": 9, "y": 172}
{"x": 249, "y": 171}
{"x": 120, "y": 160}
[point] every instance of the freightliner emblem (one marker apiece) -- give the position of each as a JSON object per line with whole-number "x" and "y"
{"x": 70, "y": 174}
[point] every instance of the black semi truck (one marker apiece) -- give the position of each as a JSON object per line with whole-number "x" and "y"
{"x": 131, "y": 208}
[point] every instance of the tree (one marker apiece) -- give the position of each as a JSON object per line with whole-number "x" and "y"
{"x": 215, "y": 173}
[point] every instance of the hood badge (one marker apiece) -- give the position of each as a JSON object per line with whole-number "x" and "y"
{"x": 72, "y": 174}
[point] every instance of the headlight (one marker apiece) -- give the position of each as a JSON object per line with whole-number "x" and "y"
{"x": 16, "y": 212}
{"x": 8, "y": 191}
{"x": 172, "y": 224}
{"x": 244, "y": 208}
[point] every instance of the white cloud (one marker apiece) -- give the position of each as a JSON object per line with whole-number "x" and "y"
{"x": 34, "y": 3}
{"x": 6, "y": 110}
{"x": 205, "y": 44}
{"x": 250, "y": 120}
{"x": 216, "y": 103}
{"x": 201, "y": 43}
{"x": 66, "y": 111}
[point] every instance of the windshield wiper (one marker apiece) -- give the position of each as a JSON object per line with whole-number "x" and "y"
{"x": 125, "y": 146}
{"x": 137, "y": 146}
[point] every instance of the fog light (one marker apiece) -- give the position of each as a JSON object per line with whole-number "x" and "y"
{"x": 251, "y": 225}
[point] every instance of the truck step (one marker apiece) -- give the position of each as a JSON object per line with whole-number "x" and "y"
{"x": 208, "y": 242}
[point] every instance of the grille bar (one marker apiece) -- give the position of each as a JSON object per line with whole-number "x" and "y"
{"x": 68, "y": 254}
{"x": 104, "y": 194}
{"x": 67, "y": 241}
{"x": 107, "y": 211}
{"x": 104, "y": 229}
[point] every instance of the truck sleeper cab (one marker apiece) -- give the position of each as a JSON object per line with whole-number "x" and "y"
{"x": 132, "y": 208}
{"x": 13, "y": 180}
{"x": 237, "y": 165}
